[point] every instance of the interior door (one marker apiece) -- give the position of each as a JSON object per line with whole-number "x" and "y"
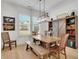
{"x": 59, "y": 27}
{"x": 62, "y": 27}
{"x": 55, "y": 28}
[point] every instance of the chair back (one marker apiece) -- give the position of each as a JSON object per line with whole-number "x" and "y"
{"x": 64, "y": 40}
{"x": 5, "y": 36}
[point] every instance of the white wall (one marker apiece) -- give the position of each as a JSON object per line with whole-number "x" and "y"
{"x": 12, "y": 10}
{"x": 65, "y": 6}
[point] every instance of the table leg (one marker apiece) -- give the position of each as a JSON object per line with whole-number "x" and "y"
{"x": 34, "y": 40}
{"x": 27, "y": 47}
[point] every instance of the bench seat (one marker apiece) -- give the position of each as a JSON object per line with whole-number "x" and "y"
{"x": 40, "y": 51}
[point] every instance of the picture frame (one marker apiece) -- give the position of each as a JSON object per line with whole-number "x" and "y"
{"x": 8, "y": 23}
{"x": 8, "y": 19}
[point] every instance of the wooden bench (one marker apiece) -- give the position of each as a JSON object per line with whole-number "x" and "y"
{"x": 38, "y": 50}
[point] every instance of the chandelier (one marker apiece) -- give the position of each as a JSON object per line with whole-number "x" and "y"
{"x": 43, "y": 14}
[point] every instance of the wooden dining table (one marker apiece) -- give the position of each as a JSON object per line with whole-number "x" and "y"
{"x": 46, "y": 39}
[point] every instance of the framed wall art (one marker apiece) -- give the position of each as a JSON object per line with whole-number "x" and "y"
{"x": 8, "y": 23}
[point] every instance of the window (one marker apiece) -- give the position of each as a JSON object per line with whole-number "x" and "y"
{"x": 35, "y": 25}
{"x": 24, "y": 25}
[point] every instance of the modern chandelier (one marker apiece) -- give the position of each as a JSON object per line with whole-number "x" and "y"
{"x": 43, "y": 14}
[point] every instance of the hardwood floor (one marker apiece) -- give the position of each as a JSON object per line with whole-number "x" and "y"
{"x": 21, "y": 53}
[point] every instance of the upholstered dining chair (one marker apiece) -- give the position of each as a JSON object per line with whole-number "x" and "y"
{"x": 60, "y": 48}
{"x": 6, "y": 40}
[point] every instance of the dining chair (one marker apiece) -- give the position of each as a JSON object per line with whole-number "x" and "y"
{"x": 6, "y": 40}
{"x": 60, "y": 48}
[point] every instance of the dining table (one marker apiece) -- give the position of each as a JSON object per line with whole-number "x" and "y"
{"x": 46, "y": 42}
{"x": 46, "y": 39}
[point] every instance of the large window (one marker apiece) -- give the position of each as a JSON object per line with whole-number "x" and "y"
{"x": 24, "y": 25}
{"x": 35, "y": 25}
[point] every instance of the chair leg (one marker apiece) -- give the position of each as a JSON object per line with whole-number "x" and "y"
{"x": 65, "y": 53}
{"x": 15, "y": 44}
{"x": 3, "y": 46}
{"x": 58, "y": 54}
{"x": 10, "y": 46}
{"x": 45, "y": 56}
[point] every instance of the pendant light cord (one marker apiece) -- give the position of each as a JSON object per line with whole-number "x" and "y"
{"x": 39, "y": 8}
{"x": 44, "y": 8}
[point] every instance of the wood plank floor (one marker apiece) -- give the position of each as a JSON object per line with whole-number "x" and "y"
{"x": 21, "y": 53}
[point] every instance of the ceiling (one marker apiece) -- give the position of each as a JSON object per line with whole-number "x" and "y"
{"x": 35, "y": 3}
